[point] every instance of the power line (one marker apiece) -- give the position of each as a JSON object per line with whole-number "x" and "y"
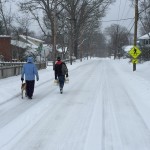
{"x": 124, "y": 9}
{"x": 117, "y": 20}
{"x": 131, "y": 29}
{"x": 127, "y": 12}
{"x": 144, "y": 9}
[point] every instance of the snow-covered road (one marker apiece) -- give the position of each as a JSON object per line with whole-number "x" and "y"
{"x": 101, "y": 109}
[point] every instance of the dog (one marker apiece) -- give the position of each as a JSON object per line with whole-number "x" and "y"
{"x": 23, "y": 89}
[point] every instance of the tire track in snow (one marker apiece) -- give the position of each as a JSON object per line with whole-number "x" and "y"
{"x": 24, "y": 104}
{"x": 95, "y": 130}
{"x": 68, "y": 124}
{"x": 132, "y": 129}
{"x": 111, "y": 137}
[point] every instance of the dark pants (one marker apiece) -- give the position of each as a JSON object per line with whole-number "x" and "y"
{"x": 30, "y": 87}
{"x": 61, "y": 81}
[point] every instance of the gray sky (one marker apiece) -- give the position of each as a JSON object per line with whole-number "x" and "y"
{"x": 121, "y": 9}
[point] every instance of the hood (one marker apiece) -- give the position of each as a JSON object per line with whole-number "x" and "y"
{"x": 30, "y": 60}
{"x": 59, "y": 62}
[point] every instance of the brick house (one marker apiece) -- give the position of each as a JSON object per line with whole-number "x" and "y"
{"x": 13, "y": 50}
{"x": 5, "y": 47}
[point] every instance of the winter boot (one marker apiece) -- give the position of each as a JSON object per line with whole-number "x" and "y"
{"x": 61, "y": 90}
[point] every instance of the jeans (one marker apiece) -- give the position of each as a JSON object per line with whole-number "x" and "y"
{"x": 61, "y": 80}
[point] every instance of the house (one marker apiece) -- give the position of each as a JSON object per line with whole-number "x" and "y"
{"x": 144, "y": 40}
{"x": 63, "y": 52}
{"x": 17, "y": 50}
{"x": 144, "y": 45}
{"x": 24, "y": 46}
{"x": 47, "y": 51}
{"x": 5, "y": 48}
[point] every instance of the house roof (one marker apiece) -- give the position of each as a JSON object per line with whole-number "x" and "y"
{"x": 23, "y": 44}
{"x": 146, "y": 36}
{"x": 31, "y": 38}
{"x": 19, "y": 44}
{"x": 33, "y": 41}
{"x": 6, "y": 36}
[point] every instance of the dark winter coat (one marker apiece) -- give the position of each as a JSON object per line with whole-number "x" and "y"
{"x": 60, "y": 69}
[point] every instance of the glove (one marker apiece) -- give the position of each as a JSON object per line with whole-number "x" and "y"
{"x": 37, "y": 79}
{"x": 67, "y": 75}
{"x": 22, "y": 79}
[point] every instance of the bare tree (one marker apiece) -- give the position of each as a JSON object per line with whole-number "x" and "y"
{"x": 144, "y": 15}
{"x": 119, "y": 36}
{"x": 50, "y": 9}
{"x": 6, "y": 16}
{"x": 2, "y": 30}
{"x": 81, "y": 13}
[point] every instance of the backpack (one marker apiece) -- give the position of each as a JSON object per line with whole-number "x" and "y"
{"x": 64, "y": 69}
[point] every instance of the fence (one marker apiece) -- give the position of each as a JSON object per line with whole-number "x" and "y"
{"x": 8, "y": 69}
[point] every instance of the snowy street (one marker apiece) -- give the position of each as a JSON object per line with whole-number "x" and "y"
{"x": 105, "y": 106}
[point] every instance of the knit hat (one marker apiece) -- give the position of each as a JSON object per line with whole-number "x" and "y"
{"x": 58, "y": 58}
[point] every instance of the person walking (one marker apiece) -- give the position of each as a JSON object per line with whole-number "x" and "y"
{"x": 61, "y": 71}
{"x": 29, "y": 70}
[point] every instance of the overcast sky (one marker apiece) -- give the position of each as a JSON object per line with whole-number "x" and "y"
{"x": 121, "y": 9}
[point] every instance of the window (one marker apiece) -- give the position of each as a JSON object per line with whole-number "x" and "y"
{"x": 146, "y": 42}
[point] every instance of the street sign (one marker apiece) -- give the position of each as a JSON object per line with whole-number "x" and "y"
{"x": 134, "y": 61}
{"x": 134, "y": 52}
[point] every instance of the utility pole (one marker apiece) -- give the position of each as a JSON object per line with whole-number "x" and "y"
{"x": 116, "y": 47}
{"x": 135, "y": 28}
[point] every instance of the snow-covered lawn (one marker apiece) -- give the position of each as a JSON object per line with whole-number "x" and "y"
{"x": 104, "y": 106}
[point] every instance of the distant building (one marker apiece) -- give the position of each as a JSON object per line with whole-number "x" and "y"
{"x": 25, "y": 45}
{"x": 62, "y": 51}
{"x": 17, "y": 50}
{"x": 144, "y": 40}
{"x": 144, "y": 45}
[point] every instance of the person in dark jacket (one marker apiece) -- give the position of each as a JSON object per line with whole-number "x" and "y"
{"x": 61, "y": 71}
{"x": 29, "y": 70}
